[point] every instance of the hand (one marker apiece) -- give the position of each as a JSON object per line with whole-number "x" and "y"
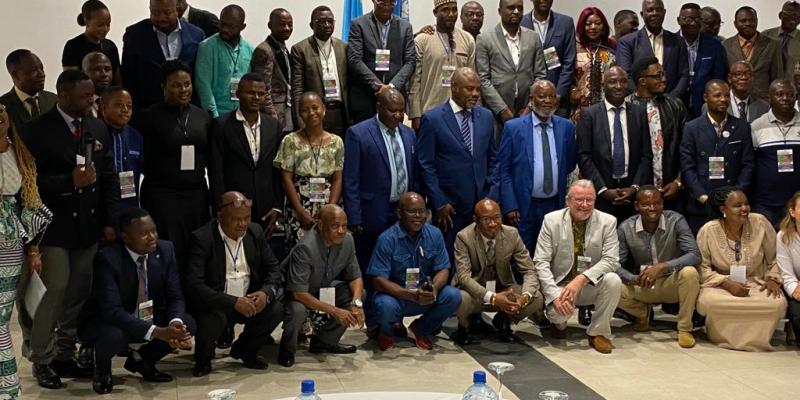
{"x": 624, "y": 196}
{"x": 108, "y": 234}
{"x": 268, "y": 222}
{"x": 563, "y": 306}
{"x": 259, "y": 299}
{"x": 609, "y": 194}
{"x": 702, "y": 199}
{"x": 382, "y": 88}
{"x": 735, "y": 288}
{"x": 501, "y": 301}
{"x": 443, "y": 220}
{"x": 34, "y": 260}
{"x": 573, "y": 289}
{"x": 512, "y": 218}
{"x": 427, "y": 29}
{"x": 647, "y": 278}
{"x": 522, "y": 301}
{"x": 182, "y": 344}
{"x": 415, "y": 122}
{"x": 670, "y": 190}
{"x": 83, "y": 176}
{"x": 506, "y": 115}
{"x": 359, "y": 314}
{"x": 424, "y": 297}
{"x": 356, "y": 229}
{"x": 170, "y": 334}
{"x": 245, "y": 306}
{"x": 306, "y": 220}
{"x": 796, "y": 293}
{"x": 345, "y": 317}
{"x": 773, "y": 288}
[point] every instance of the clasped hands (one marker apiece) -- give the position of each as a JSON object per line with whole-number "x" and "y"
{"x": 175, "y": 334}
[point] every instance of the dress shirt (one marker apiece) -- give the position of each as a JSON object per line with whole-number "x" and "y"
{"x": 135, "y": 256}
{"x": 237, "y": 268}
{"x": 513, "y": 44}
{"x": 718, "y": 127}
{"x": 747, "y": 46}
{"x": 735, "y": 104}
{"x": 24, "y": 96}
{"x": 171, "y": 43}
{"x": 185, "y": 14}
{"x": 252, "y": 132}
{"x": 623, "y": 118}
{"x": 538, "y": 158}
{"x": 657, "y": 42}
{"x": 457, "y": 111}
{"x": 396, "y": 251}
{"x": 217, "y": 63}
{"x": 541, "y": 26}
{"x": 327, "y": 62}
{"x": 692, "y": 48}
{"x": 67, "y": 118}
{"x": 788, "y": 257}
{"x": 393, "y": 167}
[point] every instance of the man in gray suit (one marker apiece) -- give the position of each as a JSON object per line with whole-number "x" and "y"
{"x": 578, "y": 245}
{"x": 508, "y": 60}
{"x": 381, "y": 54}
{"x": 271, "y": 61}
{"x": 763, "y": 53}
{"x": 743, "y": 104}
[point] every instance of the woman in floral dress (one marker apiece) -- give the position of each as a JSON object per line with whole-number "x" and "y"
{"x": 594, "y": 56}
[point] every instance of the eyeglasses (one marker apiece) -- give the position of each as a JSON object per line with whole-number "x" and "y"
{"x": 654, "y": 76}
{"x": 420, "y": 212}
{"x": 495, "y": 218}
{"x": 236, "y": 203}
{"x": 745, "y": 74}
{"x": 583, "y": 200}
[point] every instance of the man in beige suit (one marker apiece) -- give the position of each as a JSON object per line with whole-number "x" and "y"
{"x": 576, "y": 257}
{"x": 484, "y": 253}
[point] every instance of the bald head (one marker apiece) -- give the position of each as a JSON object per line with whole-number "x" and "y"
{"x": 408, "y": 200}
{"x": 229, "y": 197}
{"x": 465, "y": 75}
{"x": 488, "y": 218}
{"x": 615, "y": 85}
{"x": 390, "y": 95}
{"x": 329, "y": 213}
{"x": 332, "y": 225}
{"x": 486, "y": 207}
{"x": 465, "y": 88}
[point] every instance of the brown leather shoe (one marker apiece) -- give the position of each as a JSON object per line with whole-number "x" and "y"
{"x": 600, "y": 343}
{"x": 642, "y": 325}
{"x": 556, "y": 333}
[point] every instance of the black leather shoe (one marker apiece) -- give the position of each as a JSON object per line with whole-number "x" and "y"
{"x": 502, "y": 323}
{"x": 253, "y": 361}
{"x": 147, "y": 370}
{"x": 462, "y": 337}
{"x": 584, "y": 315}
{"x": 46, "y": 377}
{"x": 201, "y": 369}
{"x": 71, "y": 369}
{"x": 224, "y": 341}
{"x": 317, "y": 346}
{"x": 285, "y": 359}
{"x": 85, "y": 357}
{"x": 478, "y": 326}
{"x": 101, "y": 381}
{"x": 400, "y": 330}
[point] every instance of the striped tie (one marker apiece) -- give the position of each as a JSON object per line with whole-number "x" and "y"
{"x": 397, "y": 153}
{"x": 466, "y": 132}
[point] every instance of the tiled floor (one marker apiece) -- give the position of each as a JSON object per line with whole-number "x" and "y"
{"x": 650, "y": 366}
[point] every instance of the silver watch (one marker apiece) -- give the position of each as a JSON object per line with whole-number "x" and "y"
{"x": 358, "y": 303}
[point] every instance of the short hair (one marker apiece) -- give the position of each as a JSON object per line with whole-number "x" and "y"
{"x": 622, "y": 14}
{"x": 318, "y": 10}
{"x": 710, "y": 9}
{"x": 15, "y": 58}
{"x": 128, "y": 215}
{"x": 68, "y": 79}
{"x": 252, "y": 77}
{"x": 647, "y": 188}
{"x": 745, "y": 8}
{"x": 782, "y": 81}
{"x": 233, "y": 7}
{"x": 712, "y": 83}
{"x": 716, "y": 199}
{"x": 275, "y": 12}
{"x": 172, "y": 66}
{"x": 641, "y": 65}
{"x": 88, "y": 8}
{"x": 580, "y": 183}
{"x": 90, "y": 56}
{"x": 690, "y": 6}
{"x": 112, "y": 91}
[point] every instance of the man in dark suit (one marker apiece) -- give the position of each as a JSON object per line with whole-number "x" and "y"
{"x": 202, "y": 19}
{"x": 380, "y": 55}
{"x": 706, "y": 57}
{"x": 716, "y": 150}
{"x": 271, "y": 60}
{"x": 27, "y": 100}
{"x": 136, "y": 297}
{"x": 787, "y": 36}
{"x": 149, "y": 43}
{"x": 77, "y": 182}
{"x": 319, "y": 64}
{"x": 232, "y": 275}
{"x": 614, "y": 148}
{"x": 456, "y": 151}
{"x": 668, "y": 47}
{"x": 743, "y": 105}
{"x": 380, "y": 164}
{"x": 243, "y": 145}
{"x": 763, "y": 53}
{"x": 557, "y": 34}
{"x": 532, "y": 169}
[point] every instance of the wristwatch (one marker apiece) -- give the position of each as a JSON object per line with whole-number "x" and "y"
{"x": 358, "y": 303}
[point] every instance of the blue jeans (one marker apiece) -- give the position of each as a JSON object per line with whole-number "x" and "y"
{"x": 389, "y": 310}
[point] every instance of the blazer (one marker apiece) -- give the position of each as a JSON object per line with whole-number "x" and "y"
{"x": 367, "y": 177}
{"x": 675, "y": 62}
{"x": 510, "y": 252}
{"x": 673, "y": 117}
{"x": 700, "y": 142}
{"x": 766, "y": 62}
{"x": 307, "y": 73}
{"x": 710, "y": 63}
{"x": 204, "y": 20}
{"x": 594, "y": 147}
{"x": 115, "y": 288}
{"x": 17, "y": 111}
{"x": 142, "y": 58}
{"x": 78, "y": 214}
{"x": 755, "y": 108}
{"x": 504, "y": 86}
{"x": 278, "y": 96}
{"x": 794, "y": 49}
{"x": 206, "y": 268}
{"x": 363, "y": 42}
{"x": 561, "y": 36}
{"x": 449, "y": 173}
{"x": 515, "y": 162}
{"x": 231, "y": 165}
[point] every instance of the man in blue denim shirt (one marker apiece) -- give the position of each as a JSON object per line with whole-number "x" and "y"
{"x": 410, "y": 270}
{"x": 117, "y": 109}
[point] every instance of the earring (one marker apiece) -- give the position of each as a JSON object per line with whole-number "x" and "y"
{"x": 724, "y": 215}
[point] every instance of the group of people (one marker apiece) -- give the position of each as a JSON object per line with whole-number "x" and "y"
{"x": 198, "y": 182}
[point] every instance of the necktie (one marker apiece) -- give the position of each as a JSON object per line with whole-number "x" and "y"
{"x": 618, "y": 153}
{"x": 784, "y": 48}
{"x": 546, "y": 159}
{"x": 743, "y": 110}
{"x": 490, "y": 254}
{"x": 747, "y": 49}
{"x": 489, "y": 270}
{"x": 397, "y": 153}
{"x": 142, "y": 273}
{"x": 76, "y": 128}
{"x": 34, "y": 104}
{"x": 466, "y": 132}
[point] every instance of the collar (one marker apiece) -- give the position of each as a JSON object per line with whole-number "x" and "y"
{"x": 383, "y": 128}
{"x": 225, "y": 237}
{"x": 508, "y": 35}
{"x": 549, "y": 17}
{"x": 456, "y": 108}
{"x": 135, "y": 256}
{"x": 652, "y": 36}
{"x": 186, "y": 12}
{"x": 639, "y": 226}
{"x": 714, "y": 123}
{"x": 696, "y": 40}
{"x": 22, "y": 95}
{"x": 402, "y": 233}
{"x": 325, "y": 44}
{"x": 486, "y": 240}
{"x": 280, "y": 44}
{"x": 742, "y": 40}
{"x": 610, "y": 107}
{"x": 537, "y": 121}
{"x": 386, "y": 24}
{"x": 177, "y": 28}
{"x": 795, "y": 120}
{"x": 240, "y": 117}
{"x": 737, "y": 100}
{"x": 66, "y": 117}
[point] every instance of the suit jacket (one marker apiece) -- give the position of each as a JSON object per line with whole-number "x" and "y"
{"x": 675, "y": 62}
{"x": 78, "y": 214}
{"x": 711, "y": 63}
{"x": 206, "y": 269}
{"x": 367, "y": 177}
{"x": 231, "y": 165}
{"x": 673, "y": 117}
{"x": 554, "y": 254}
{"x": 794, "y": 48}
{"x": 142, "y": 58}
{"x": 307, "y": 72}
{"x": 115, "y": 288}
{"x": 700, "y": 142}
{"x": 450, "y": 174}
{"x": 363, "y": 43}
{"x": 594, "y": 147}
{"x": 504, "y": 86}
{"x": 766, "y": 62}
{"x": 560, "y": 35}
{"x": 755, "y": 108}
{"x": 17, "y": 111}
{"x": 278, "y": 97}
{"x": 515, "y": 162}
{"x": 509, "y": 250}
{"x": 204, "y": 20}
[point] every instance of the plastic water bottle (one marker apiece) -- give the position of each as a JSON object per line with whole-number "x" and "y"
{"x": 307, "y": 391}
{"x": 479, "y": 390}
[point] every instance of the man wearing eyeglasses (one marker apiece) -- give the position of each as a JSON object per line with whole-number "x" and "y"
{"x": 577, "y": 255}
{"x": 743, "y": 104}
{"x": 232, "y": 275}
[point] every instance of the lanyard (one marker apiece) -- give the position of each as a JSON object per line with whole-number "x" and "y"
{"x": 314, "y": 153}
{"x": 234, "y": 257}
{"x": 326, "y": 57}
{"x": 185, "y": 125}
{"x": 120, "y": 160}
{"x": 784, "y": 132}
{"x": 447, "y": 49}
{"x": 235, "y": 60}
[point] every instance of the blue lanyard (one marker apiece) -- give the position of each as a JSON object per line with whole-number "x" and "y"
{"x": 234, "y": 257}
{"x": 120, "y": 160}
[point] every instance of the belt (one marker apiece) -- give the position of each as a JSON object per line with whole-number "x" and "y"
{"x": 333, "y": 105}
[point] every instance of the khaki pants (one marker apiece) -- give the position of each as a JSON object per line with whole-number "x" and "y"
{"x": 604, "y": 296}
{"x": 471, "y": 305}
{"x": 681, "y": 287}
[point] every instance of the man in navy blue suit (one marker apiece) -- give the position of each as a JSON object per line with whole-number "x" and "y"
{"x": 537, "y": 152}
{"x": 136, "y": 297}
{"x": 379, "y": 166}
{"x": 456, "y": 152}
{"x": 149, "y": 43}
{"x": 668, "y": 47}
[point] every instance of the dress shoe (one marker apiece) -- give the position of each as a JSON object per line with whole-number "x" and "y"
{"x": 502, "y": 323}
{"x": 46, "y": 377}
{"x": 585, "y": 315}
{"x": 400, "y": 330}
{"x": 791, "y": 339}
{"x": 462, "y": 336}
{"x": 558, "y": 333}
{"x": 201, "y": 369}
{"x": 147, "y": 370}
{"x": 317, "y": 346}
{"x": 385, "y": 342}
{"x": 478, "y": 326}
{"x": 698, "y": 321}
{"x": 600, "y": 343}
{"x": 624, "y": 315}
{"x": 224, "y": 341}
{"x": 249, "y": 361}
{"x": 686, "y": 339}
{"x": 71, "y": 369}
{"x": 642, "y": 325}
{"x": 540, "y": 320}
{"x": 101, "y": 381}
{"x": 422, "y": 342}
{"x": 85, "y": 357}
{"x": 285, "y": 358}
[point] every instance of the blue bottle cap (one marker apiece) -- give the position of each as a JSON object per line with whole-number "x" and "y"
{"x": 479, "y": 377}
{"x": 307, "y": 386}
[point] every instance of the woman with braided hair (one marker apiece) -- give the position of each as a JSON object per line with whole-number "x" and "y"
{"x": 23, "y": 217}
{"x": 740, "y": 293}
{"x": 594, "y": 55}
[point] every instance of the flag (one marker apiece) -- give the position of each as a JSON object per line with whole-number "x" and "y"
{"x": 401, "y": 9}
{"x": 352, "y": 10}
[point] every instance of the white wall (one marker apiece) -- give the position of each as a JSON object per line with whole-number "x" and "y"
{"x": 43, "y": 26}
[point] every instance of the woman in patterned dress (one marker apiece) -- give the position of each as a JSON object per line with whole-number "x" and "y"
{"x": 594, "y": 55}
{"x": 312, "y": 161}
{"x": 23, "y": 217}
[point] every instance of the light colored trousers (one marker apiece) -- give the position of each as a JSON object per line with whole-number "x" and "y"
{"x": 681, "y": 287}
{"x": 604, "y": 295}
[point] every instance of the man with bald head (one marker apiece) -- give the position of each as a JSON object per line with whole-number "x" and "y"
{"x": 532, "y": 169}
{"x": 380, "y": 164}
{"x": 98, "y": 67}
{"x": 150, "y": 42}
{"x": 456, "y": 151}
{"x": 323, "y": 279}
{"x": 485, "y": 252}
{"x": 232, "y": 276}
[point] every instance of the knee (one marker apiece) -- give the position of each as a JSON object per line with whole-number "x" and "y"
{"x": 611, "y": 281}
{"x": 450, "y": 297}
{"x": 385, "y": 305}
{"x": 689, "y": 274}
{"x": 295, "y": 308}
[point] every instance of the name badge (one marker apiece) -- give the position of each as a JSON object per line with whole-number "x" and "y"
{"x": 235, "y": 287}
{"x": 716, "y": 167}
{"x": 412, "y": 278}
{"x": 127, "y": 186}
{"x": 382, "y": 59}
{"x": 233, "y": 86}
{"x": 145, "y": 310}
{"x": 327, "y": 295}
{"x": 584, "y": 264}
{"x": 491, "y": 286}
{"x": 329, "y": 85}
{"x": 187, "y": 157}
{"x": 317, "y": 190}
{"x": 551, "y": 58}
{"x": 739, "y": 273}
{"x": 447, "y": 75}
{"x": 785, "y": 160}
{"x": 80, "y": 160}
